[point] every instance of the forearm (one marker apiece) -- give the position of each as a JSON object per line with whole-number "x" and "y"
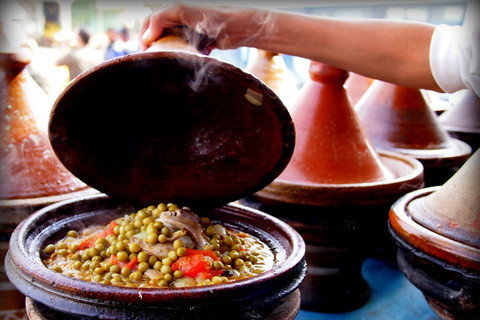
{"x": 396, "y": 52}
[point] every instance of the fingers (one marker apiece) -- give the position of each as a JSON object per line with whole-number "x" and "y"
{"x": 154, "y": 24}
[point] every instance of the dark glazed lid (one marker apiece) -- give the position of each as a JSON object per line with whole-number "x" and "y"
{"x": 171, "y": 126}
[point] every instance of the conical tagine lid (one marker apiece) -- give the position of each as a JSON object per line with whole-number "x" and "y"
{"x": 454, "y": 209}
{"x": 463, "y": 116}
{"x": 28, "y": 166}
{"x": 331, "y": 146}
{"x": 398, "y": 118}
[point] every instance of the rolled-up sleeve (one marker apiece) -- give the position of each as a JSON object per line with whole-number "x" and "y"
{"x": 454, "y": 58}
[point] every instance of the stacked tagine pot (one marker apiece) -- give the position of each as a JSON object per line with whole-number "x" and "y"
{"x": 31, "y": 176}
{"x": 438, "y": 232}
{"x": 166, "y": 137}
{"x": 398, "y": 119}
{"x": 462, "y": 120}
{"x": 336, "y": 192}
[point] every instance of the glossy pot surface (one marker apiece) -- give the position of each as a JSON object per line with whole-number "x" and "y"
{"x": 25, "y": 268}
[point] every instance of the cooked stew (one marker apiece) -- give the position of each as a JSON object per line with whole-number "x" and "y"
{"x": 159, "y": 246}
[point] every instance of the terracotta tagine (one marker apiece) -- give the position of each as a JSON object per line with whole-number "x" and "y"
{"x": 187, "y": 129}
{"x": 271, "y": 68}
{"x": 356, "y": 86}
{"x": 438, "y": 232}
{"x": 462, "y": 120}
{"x": 30, "y": 174}
{"x": 335, "y": 192}
{"x": 398, "y": 119}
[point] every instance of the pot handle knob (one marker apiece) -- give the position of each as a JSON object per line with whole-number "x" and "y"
{"x": 182, "y": 39}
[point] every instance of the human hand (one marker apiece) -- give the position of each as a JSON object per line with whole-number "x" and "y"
{"x": 227, "y": 27}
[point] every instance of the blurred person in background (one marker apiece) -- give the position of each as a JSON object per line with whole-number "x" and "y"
{"x": 419, "y": 55}
{"x": 82, "y": 56}
{"x": 121, "y": 43}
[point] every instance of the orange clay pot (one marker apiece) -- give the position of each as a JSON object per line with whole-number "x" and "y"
{"x": 336, "y": 192}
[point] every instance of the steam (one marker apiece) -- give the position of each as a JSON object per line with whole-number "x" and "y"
{"x": 212, "y": 31}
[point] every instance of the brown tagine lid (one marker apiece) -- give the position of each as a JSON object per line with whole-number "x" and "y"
{"x": 30, "y": 169}
{"x": 398, "y": 118}
{"x": 172, "y": 124}
{"x": 332, "y": 151}
{"x": 444, "y": 221}
{"x": 271, "y": 68}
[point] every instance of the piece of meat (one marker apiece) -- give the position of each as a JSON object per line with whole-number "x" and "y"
{"x": 159, "y": 250}
{"x": 185, "y": 220}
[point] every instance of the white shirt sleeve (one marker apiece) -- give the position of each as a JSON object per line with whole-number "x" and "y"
{"x": 454, "y": 58}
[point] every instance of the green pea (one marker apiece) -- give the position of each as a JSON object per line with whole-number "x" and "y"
{"x": 72, "y": 234}
{"x": 99, "y": 271}
{"x": 142, "y": 256}
{"x": 166, "y": 269}
{"x": 49, "y": 249}
{"x": 134, "y": 247}
{"x": 126, "y": 272}
{"x": 115, "y": 269}
{"x": 136, "y": 276}
{"x": 178, "y": 244}
{"x": 181, "y": 252}
{"x": 177, "y": 274}
{"x": 239, "y": 263}
{"x": 152, "y": 238}
{"x": 122, "y": 256}
{"x": 143, "y": 266}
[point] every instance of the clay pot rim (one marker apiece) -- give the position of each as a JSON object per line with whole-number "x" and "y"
{"x": 318, "y": 194}
{"x": 433, "y": 244}
{"x": 457, "y": 153}
{"x": 30, "y": 271}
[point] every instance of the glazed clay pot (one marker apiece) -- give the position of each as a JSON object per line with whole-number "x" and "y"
{"x": 397, "y": 118}
{"x": 462, "y": 120}
{"x": 335, "y": 192}
{"x": 438, "y": 232}
{"x": 186, "y": 129}
{"x": 255, "y": 297}
{"x": 271, "y": 69}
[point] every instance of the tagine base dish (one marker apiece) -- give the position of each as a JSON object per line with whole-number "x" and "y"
{"x": 27, "y": 272}
{"x": 287, "y": 309}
